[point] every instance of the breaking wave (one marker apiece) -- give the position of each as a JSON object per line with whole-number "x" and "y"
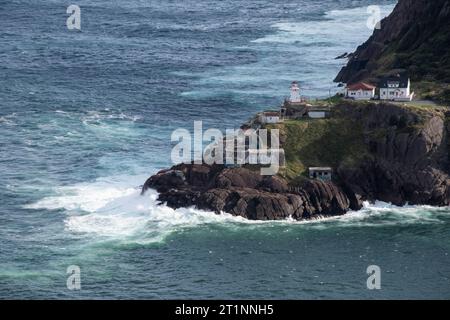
{"x": 337, "y": 28}
{"x": 113, "y": 209}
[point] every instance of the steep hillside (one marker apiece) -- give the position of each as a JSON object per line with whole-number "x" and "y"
{"x": 378, "y": 151}
{"x": 408, "y": 159}
{"x": 381, "y": 151}
{"x": 415, "y": 39}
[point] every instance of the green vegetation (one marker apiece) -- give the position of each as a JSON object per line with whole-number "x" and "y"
{"x": 427, "y": 62}
{"x": 327, "y": 102}
{"x": 324, "y": 142}
{"x": 428, "y": 67}
{"x": 334, "y": 99}
{"x": 341, "y": 141}
{"x": 430, "y": 90}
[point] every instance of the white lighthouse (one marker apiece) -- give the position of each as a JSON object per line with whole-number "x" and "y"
{"x": 295, "y": 93}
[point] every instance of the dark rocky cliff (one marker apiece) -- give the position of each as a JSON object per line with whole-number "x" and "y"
{"x": 243, "y": 192}
{"x": 415, "y": 39}
{"x": 406, "y": 160}
{"x": 378, "y": 151}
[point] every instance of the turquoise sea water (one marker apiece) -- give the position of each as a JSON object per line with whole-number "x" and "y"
{"x": 86, "y": 118}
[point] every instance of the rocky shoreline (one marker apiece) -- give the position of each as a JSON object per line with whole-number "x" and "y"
{"x": 408, "y": 162}
{"x": 243, "y": 192}
{"x": 402, "y": 154}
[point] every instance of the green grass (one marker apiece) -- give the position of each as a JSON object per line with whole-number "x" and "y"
{"x": 323, "y": 142}
{"x": 339, "y": 141}
{"x": 334, "y": 99}
{"x": 431, "y": 90}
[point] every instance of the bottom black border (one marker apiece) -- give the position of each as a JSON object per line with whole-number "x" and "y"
{"x": 220, "y": 309}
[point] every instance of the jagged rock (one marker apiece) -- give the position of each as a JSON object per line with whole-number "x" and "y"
{"x": 246, "y": 193}
{"x": 342, "y": 56}
{"x": 408, "y": 162}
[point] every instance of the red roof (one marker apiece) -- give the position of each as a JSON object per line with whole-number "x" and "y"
{"x": 361, "y": 86}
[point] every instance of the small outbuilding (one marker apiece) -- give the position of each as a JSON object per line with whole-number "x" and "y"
{"x": 269, "y": 117}
{"x": 320, "y": 173}
{"x": 318, "y": 113}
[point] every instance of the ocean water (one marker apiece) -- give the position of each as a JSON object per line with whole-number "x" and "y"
{"x": 86, "y": 118}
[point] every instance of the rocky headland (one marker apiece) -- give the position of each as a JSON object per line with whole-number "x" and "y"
{"x": 378, "y": 151}
{"x": 391, "y": 153}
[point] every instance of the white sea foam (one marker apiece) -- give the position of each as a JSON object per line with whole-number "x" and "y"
{"x": 343, "y": 27}
{"x": 140, "y": 218}
{"x": 107, "y": 114}
{"x": 112, "y": 208}
{"x": 5, "y": 120}
{"x": 97, "y": 116}
{"x": 382, "y": 214}
{"x": 8, "y": 119}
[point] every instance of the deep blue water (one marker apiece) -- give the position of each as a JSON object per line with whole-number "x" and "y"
{"x": 86, "y": 117}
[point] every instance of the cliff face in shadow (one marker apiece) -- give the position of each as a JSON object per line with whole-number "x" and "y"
{"x": 404, "y": 159}
{"x": 415, "y": 39}
{"x": 408, "y": 159}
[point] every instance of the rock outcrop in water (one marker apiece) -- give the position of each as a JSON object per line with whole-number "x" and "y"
{"x": 243, "y": 192}
{"x": 406, "y": 161}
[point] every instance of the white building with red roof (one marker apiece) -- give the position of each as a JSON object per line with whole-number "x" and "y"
{"x": 360, "y": 91}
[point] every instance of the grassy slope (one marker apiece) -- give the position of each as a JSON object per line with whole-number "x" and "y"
{"x": 324, "y": 142}
{"x": 337, "y": 141}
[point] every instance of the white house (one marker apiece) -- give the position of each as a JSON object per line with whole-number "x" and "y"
{"x": 269, "y": 117}
{"x": 396, "y": 88}
{"x": 360, "y": 91}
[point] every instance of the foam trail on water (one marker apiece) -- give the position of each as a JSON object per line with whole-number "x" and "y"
{"x": 339, "y": 28}
{"x": 141, "y": 219}
{"x": 382, "y": 214}
{"x": 112, "y": 209}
